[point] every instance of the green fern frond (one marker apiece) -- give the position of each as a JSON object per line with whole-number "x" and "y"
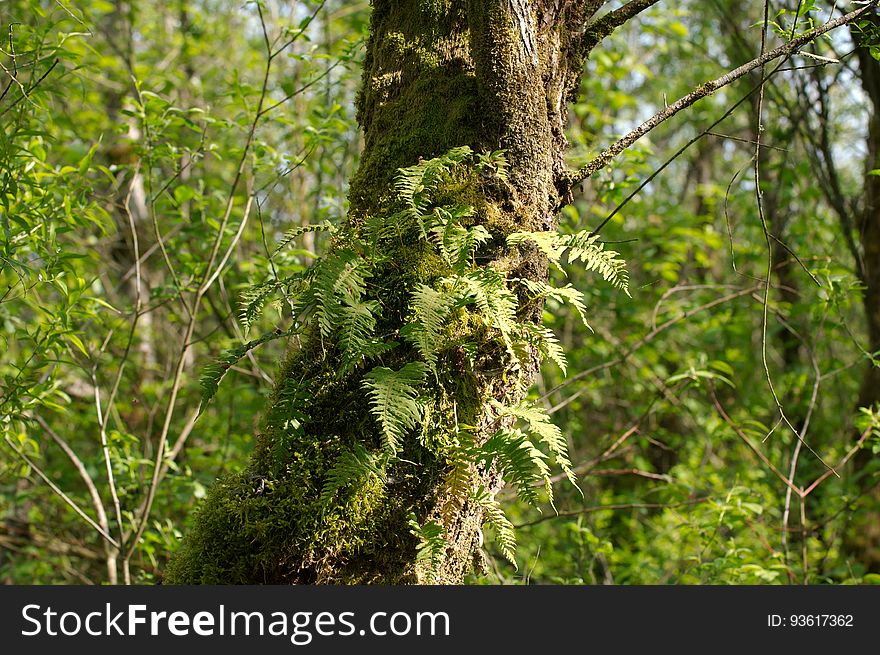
{"x": 394, "y": 400}
{"x": 547, "y": 243}
{"x": 548, "y": 345}
{"x": 254, "y": 299}
{"x": 357, "y": 324}
{"x": 299, "y": 230}
{"x": 431, "y": 308}
{"x": 213, "y": 373}
{"x": 493, "y": 162}
{"x": 498, "y": 521}
{"x": 334, "y": 280}
{"x": 541, "y": 427}
{"x": 352, "y": 468}
{"x": 457, "y": 243}
{"x": 252, "y": 302}
{"x": 458, "y": 480}
{"x": 488, "y": 290}
{"x": 521, "y": 463}
{"x": 412, "y": 180}
{"x": 581, "y": 246}
{"x": 567, "y": 294}
{"x": 432, "y": 544}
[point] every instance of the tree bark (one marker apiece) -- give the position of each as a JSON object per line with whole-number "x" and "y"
{"x": 489, "y": 74}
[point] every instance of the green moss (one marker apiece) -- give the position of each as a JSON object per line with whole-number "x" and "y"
{"x": 425, "y": 119}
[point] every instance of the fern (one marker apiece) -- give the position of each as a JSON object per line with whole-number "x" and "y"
{"x": 544, "y": 430}
{"x": 431, "y": 308}
{"x": 567, "y": 294}
{"x": 487, "y": 289}
{"x": 394, "y": 400}
{"x": 214, "y": 372}
{"x": 547, "y": 344}
{"x": 455, "y": 242}
{"x": 458, "y": 480}
{"x": 299, "y": 230}
{"x": 338, "y": 278}
{"x": 352, "y": 468}
{"x": 415, "y": 184}
{"x": 498, "y": 521}
{"x": 547, "y": 243}
{"x": 581, "y": 246}
{"x": 587, "y": 248}
{"x": 520, "y": 462}
{"x": 357, "y": 322}
{"x": 254, "y": 299}
{"x": 493, "y": 163}
{"x": 432, "y": 545}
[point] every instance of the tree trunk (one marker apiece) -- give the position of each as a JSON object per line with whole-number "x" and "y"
{"x": 488, "y": 74}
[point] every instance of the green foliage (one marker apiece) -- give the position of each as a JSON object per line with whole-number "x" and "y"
{"x": 431, "y": 309}
{"x": 351, "y": 468}
{"x": 432, "y": 545}
{"x": 581, "y": 246}
{"x": 213, "y": 373}
{"x": 498, "y": 521}
{"x": 127, "y": 163}
{"x": 539, "y": 425}
{"x": 394, "y": 401}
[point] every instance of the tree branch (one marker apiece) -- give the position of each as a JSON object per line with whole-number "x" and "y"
{"x": 705, "y": 90}
{"x": 607, "y": 23}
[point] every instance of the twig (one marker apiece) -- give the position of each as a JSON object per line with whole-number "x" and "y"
{"x": 76, "y": 508}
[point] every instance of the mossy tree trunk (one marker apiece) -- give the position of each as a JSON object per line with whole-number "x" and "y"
{"x": 488, "y": 74}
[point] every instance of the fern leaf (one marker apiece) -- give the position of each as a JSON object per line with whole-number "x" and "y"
{"x": 567, "y": 294}
{"x": 214, "y": 372}
{"x": 498, "y": 521}
{"x": 587, "y": 248}
{"x": 394, "y": 400}
{"x": 548, "y": 345}
{"x": 254, "y": 299}
{"x": 520, "y": 462}
{"x": 581, "y": 246}
{"x": 546, "y": 242}
{"x": 544, "y": 430}
{"x": 431, "y": 309}
{"x": 252, "y": 302}
{"x": 458, "y": 480}
{"x": 432, "y": 544}
{"x": 352, "y": 468}
{"x": 299, "y": 230}
{"x": 340, "y": 277}
{"x": 457, "y": 243}
{"x": 488, "y": 290}
{"x": 357, "y": 323}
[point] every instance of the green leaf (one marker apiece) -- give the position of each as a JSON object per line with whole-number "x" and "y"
{"x": 394, "y": 400}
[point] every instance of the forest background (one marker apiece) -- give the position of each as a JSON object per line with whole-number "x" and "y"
{"x": 156, "y": 162}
